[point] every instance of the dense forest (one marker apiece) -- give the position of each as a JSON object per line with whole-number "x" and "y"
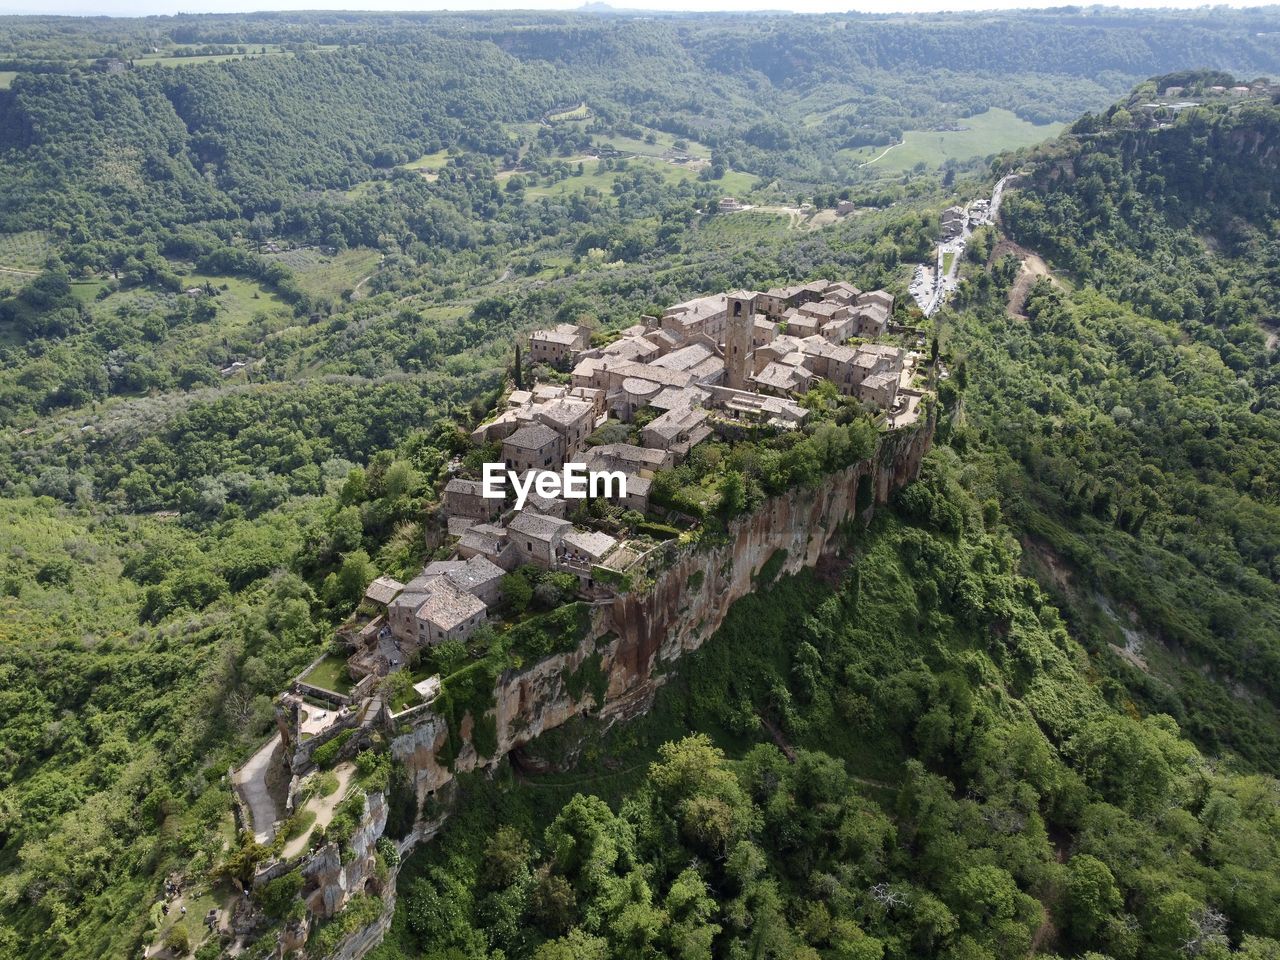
{"x": 257, "y": 274}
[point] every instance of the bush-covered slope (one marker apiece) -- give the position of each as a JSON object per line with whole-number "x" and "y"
{"x": 962, "y": 784}
{"x": 1131, "y": 427}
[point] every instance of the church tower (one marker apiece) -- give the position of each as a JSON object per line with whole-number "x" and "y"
{"x": 739, "y": 330}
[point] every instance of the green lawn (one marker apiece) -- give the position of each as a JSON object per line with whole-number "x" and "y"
{"x": 6, "y": 78}
{"x": 948, "y": 258}
{"x": 330, "y": 674}
{"x": 185, "y": 61}
{"x": 86, "y": 291}
{"x": 984, "y": 134}
{"x": 240, "y": 301}
{"x": 410, "y": 697}
{"x": 251, "y": 50}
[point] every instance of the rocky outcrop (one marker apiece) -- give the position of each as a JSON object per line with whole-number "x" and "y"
{"x": 631, "y": 640}
{"x": 331, "y": 879}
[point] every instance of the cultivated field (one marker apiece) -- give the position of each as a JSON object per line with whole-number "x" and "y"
{"x": 321, "y": 275}
{"x": 984, "y": 134}
{"x": 580, "y": 112}
{"x": 26, "y": 251}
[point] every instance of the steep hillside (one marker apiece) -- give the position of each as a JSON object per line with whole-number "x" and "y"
{"x": 1132, "y": 427}
{"x": 907, "y": 757}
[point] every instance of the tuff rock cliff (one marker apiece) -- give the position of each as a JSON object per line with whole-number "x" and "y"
{"x": 634, "y": 639}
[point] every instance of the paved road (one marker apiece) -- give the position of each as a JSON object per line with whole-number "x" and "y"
{"x": 251, "y": 782}
{"x": 933, "y": 299}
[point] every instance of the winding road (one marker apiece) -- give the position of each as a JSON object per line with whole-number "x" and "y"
{"x": 250, "y": 782}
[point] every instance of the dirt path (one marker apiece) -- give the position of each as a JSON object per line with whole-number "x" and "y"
{"x": 324, "y": 808}
{"x": 251, "y": 782}
{"x": 1033, "y": 268}
{"x": 881, "y": 156}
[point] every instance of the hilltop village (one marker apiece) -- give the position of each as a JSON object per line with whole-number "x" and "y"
{"x": 709, "y": 366}
{"x": 741, "y": 367}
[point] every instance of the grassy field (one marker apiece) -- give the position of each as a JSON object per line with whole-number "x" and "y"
{"x": 663, "y": 143}
{"x": 729, "y": 231}
{"x": 86, "y": 291}
{"x": 733, "y": 183}
{"x": 239, "y": 301}
{"x": 984, "y": 134}
{"x": 6, "y": 78}
{"x": 251, "y": 50}
{"x": 431, "y": 162}
{"x": 157, "y": 61}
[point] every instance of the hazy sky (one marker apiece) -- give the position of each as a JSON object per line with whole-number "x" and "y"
{"x": 140, "y": 8}
{"x": 133, "y": 8}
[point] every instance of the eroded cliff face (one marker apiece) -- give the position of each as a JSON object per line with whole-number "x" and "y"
{"x": 634, "y": 636}
{"x": 642, "y": 630}
{"x": 331, "y": 881}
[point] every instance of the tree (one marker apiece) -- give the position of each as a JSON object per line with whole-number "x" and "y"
{"x": 347, "y": 586}
{"x": 577, "y": 945}
{"x": 1092, "y": 899}
{"x": 552, "y": 902}
{"x": 506, "y": 858}
{"x": 733, "y": 494}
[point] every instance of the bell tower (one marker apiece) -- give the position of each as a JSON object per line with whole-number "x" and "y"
{"x": 739, "y": 329}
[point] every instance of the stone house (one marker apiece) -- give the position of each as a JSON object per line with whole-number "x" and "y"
{"x": 491, "y": 541}
{"x": 537, "y": 539}
{"x": 630, "y": 459}
{"x": 677, "y": 431}
{"x": 777, "y": 301}
{"x": 572, "y": 419}
{"x": 534, "y": 447}
{"x": 382, "y": 591}
{"x": 558, "y": 346}
{"x": 477, "y": 575}
{"x": 448, "y": 614}
{"x": 465, "y": 498}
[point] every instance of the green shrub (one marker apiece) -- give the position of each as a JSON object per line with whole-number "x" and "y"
{"x": 374, "y": 769}
{"x": 557, "y": 631}
{"x": 588, "y": 678}
{"x": 484, "y": 734}
{"x": 619, "y": 579}
{"x": 275, "y": 897}
{"x": 660, "y": 531}
{"x": 772, "y": 567}
{"x": 299, "y": 824}
{"x": 177, "y": 941}
{"x": 388, "y": 851}
{"x": 326, "y": 783}
{"x": 360, "y": 912}
{"x": 325, "y": 755}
